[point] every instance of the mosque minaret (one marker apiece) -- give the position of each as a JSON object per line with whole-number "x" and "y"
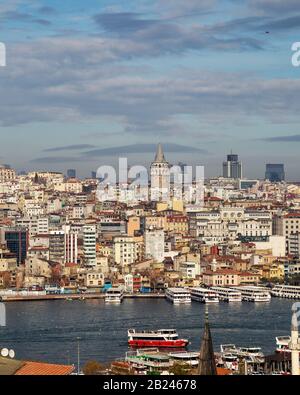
{"x": 295, "y": 345}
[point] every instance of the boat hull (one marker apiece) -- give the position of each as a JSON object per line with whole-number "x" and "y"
{"x": 158, "y": 343}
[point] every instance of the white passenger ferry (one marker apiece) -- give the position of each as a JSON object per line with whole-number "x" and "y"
{"x": 114, "y": 295}
{"x": 228, "y": 294}
{"x": 242, "y": 352}
{"x": 189, "y": 358}
{"x": 282, "y": 344}
{"x": 254, "y": 294}
{"x": 286, "y": 291}
{"x": 204, "y": 295}
{"x": 178, "y": 295}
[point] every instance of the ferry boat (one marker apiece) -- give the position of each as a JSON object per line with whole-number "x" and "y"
{"x": 178, "y": 295}
{"x": 148, "y": 361}
{"x": 188, "y": 358}
{"x": 227, "y": 294}
{"x": 204, "y": 295}
{"x": 282, "y": 344}
{"x": 242, "y": 352}
{"x": 286, "y": 291}
{"x": 162, "y": 338}
{"x": 254, "y": 294}
{"x": 230, "y": 361}
{"x": 114, "y": 295}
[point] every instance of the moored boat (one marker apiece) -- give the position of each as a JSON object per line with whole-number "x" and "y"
{"x": 162, "y": 338}
{"x": 204, "y": 295}
{"x": 114, "y": 295}
{"x": 178, "y": 295}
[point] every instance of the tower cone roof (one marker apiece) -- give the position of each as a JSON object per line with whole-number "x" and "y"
{"x": 160, "y": 157}
{"x": 207, "y": 363}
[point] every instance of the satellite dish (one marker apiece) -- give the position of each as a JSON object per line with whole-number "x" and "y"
{"x": 11, "y": 354}
{"x": 4, "y": 352}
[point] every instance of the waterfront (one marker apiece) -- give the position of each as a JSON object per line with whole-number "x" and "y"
{"x": 47, "y": 331}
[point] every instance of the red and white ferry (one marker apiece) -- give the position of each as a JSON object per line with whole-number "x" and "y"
{"x": 162, "y": 338}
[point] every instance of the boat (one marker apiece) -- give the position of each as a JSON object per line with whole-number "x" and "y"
{"x": 286, "y": 291}
{"x": 251, "y": 353}
{"x": 148, "y": 361}
{"x": 254, "y": 294}
{"x": 282, "y": 344}
{"x": 188, "y": 358}
{"x": 228, "y": 294}
{"x": 178, "y": 295}
{"x": 114, "y": 295}
{"x": 230, "y": 362}
{"x": 204, "y": 295}
{"x": 162, "y": 338}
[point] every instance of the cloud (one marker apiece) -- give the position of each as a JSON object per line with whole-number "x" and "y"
{"x": 73, "y": 80}
{"x": 142, "y": 149}
{"x": 275, "y": 6}
{"x": 288, "y": 139}
{"x": 47, "y": 10}
{"x": 123, "y": 21}
{"x": 70, "y": 148}
{"x": 284, "y": 23}
{"x": 55, "y": 159}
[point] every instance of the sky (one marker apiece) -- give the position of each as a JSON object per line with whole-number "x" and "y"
{"x": 87, "y": 82}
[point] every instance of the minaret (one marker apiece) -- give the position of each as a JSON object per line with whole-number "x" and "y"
{"x": 294, "y": 344}
{"x": 160, "y": 177}
{"x": 207, "y": 363}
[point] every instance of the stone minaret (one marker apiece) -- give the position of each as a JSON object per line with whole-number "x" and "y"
{"x": 295, "y": 345}
{"x": 160, "y": 177}
{"x": 207, "y": 363}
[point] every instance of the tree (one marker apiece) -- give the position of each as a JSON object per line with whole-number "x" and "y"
{"x": 180, "y": 369}
{"x": 92, "y": 368}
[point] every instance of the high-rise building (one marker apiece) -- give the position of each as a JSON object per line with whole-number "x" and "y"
{"x": 275, "y": 172}
{"x": 232, "y": 168}
{"x": 71, "y": 248}
{"x": 89, "y": 244}
{"x": 57, "y": 246}
{"x": 71, "y": 173}
{"x": 63, "y": 246}
{"x": 17, "y": 243}
{"x": 160, "y": 177}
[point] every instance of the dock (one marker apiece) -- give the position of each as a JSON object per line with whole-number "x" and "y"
{"x": 71, "y": 297}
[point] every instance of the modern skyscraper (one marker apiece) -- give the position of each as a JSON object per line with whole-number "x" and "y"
{"x": 275, "y": 172}
{"x": 160, "y": 177}
{"x": 232, "y": 168}
{"x": 89, "y": 244}
{"x": 17, "y": 243}
{"x": 71, "y": 173}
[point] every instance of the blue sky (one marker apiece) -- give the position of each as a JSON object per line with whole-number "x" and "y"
{"x": 202, "y": 77}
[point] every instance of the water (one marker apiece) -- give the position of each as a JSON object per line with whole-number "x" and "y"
{"x": 47, "y": 330}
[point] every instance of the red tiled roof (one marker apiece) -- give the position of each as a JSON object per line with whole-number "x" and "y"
{"x": 44, "y": 369}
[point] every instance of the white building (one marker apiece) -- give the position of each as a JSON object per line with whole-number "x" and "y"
{"x": 89, "y": 245}
{"x": 125, "y": 250}
{"x": 155, "y": 244}
{"x": 217, "y": 226}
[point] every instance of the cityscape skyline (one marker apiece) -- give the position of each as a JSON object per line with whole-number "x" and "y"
{"x": 127, "y": 75}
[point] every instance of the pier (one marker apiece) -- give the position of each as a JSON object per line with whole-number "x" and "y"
{"x": 71, "y": 297}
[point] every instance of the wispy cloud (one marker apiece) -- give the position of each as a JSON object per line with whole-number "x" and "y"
{"x": 70, "y": 148}
{"x": 288, "y": 139}
{"x": 142, "y": 149}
